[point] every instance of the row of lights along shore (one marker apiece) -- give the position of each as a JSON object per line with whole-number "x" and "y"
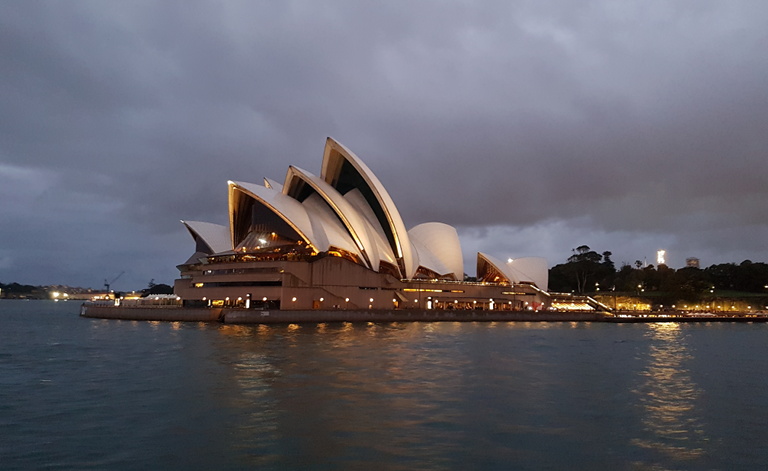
{"x": 430, "y": 301}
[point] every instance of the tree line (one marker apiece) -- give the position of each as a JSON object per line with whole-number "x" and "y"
{"x": 588, "y": 272}
{"x": 17, "y": 290}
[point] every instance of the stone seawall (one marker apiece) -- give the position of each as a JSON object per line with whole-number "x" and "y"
{"x": 250, "y": 316}
{"x": 169, "y": 313}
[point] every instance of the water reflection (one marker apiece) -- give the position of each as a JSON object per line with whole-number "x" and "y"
{"x": 323, "y": 388}
{"x": 429, "y": 395}
{"x": 667, "y": 395}
{"x": 388, "y": 396}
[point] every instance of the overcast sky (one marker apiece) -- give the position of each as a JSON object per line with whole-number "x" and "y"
{"x": 533, "y": 127}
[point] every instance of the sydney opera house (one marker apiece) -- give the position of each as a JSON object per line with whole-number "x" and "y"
{"x": 337, "y": 241}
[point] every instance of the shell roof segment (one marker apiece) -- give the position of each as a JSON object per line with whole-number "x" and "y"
{"x": 242, "y": 196}
{"x": 347, "y": 211}
{"x": 312, "y": 220}
{"x": 525, "y": 269}
{"x": 300, "y": 184}
{"x": 210, "y": 238}
{"x": 344, "y": 171}
{"x": 438, "y": 248}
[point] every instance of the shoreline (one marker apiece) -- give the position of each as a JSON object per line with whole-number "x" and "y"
{"x": 250, "y": 316}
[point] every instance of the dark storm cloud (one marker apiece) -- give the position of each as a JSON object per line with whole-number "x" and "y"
{"x": 533, "y": 127}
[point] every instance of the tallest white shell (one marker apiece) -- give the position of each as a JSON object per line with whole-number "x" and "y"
{"x": 343, "y": 170}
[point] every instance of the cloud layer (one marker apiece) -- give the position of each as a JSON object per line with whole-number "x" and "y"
{"x": 533, "y": 127}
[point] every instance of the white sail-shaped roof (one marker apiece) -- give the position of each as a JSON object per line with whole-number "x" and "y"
{"x": 214, "y": 236}
{"x": 343, "y": 170}
{"x": 532, "y": 269}
{"x": 438, "y": 248}
{"x": 324, "y": 222}
{"x": 313, "y": 220}
{"x": 383, "y": 248}
{"x": 346, "y": 210}
{"x": 520, "y": 270}
{"x": 357, "y": 225}
{"x": 288, "y": 209}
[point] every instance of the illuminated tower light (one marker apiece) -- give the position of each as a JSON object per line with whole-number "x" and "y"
{"x": 661, "y": 257}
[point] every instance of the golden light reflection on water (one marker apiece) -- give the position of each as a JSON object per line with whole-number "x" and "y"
{"x": 668, "y": 397}
{"x": 327, "y": 384}
{"x": 235, "y": 330}
{"x": 370, "y": 329}
{"x": 264, "y": 329}
{"x": 255, "y": 373}
{"x": 364, "y": 381}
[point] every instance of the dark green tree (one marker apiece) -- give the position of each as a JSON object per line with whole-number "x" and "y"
{"x": 584, "y": 271}
{"x": 154, "y": 288}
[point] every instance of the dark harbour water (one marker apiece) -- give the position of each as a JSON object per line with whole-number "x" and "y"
{"x": 79, "y": 393}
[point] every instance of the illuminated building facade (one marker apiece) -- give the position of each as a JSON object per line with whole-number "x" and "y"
{"x": 337, "y": 241}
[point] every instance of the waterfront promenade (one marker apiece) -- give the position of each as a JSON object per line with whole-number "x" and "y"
{"x": 251, "y": 316}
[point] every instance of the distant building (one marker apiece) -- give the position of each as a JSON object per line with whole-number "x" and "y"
{"x": 337, "y": 241}
{"x": 692, "y": 262}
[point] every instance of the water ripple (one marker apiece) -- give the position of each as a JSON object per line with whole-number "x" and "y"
{"x": 90, "y": 394}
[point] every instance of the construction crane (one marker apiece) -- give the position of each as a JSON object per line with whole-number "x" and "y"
{"x": 108, "y": 283}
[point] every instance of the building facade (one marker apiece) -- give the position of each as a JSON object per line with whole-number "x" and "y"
{"x": 337, "y": 241}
